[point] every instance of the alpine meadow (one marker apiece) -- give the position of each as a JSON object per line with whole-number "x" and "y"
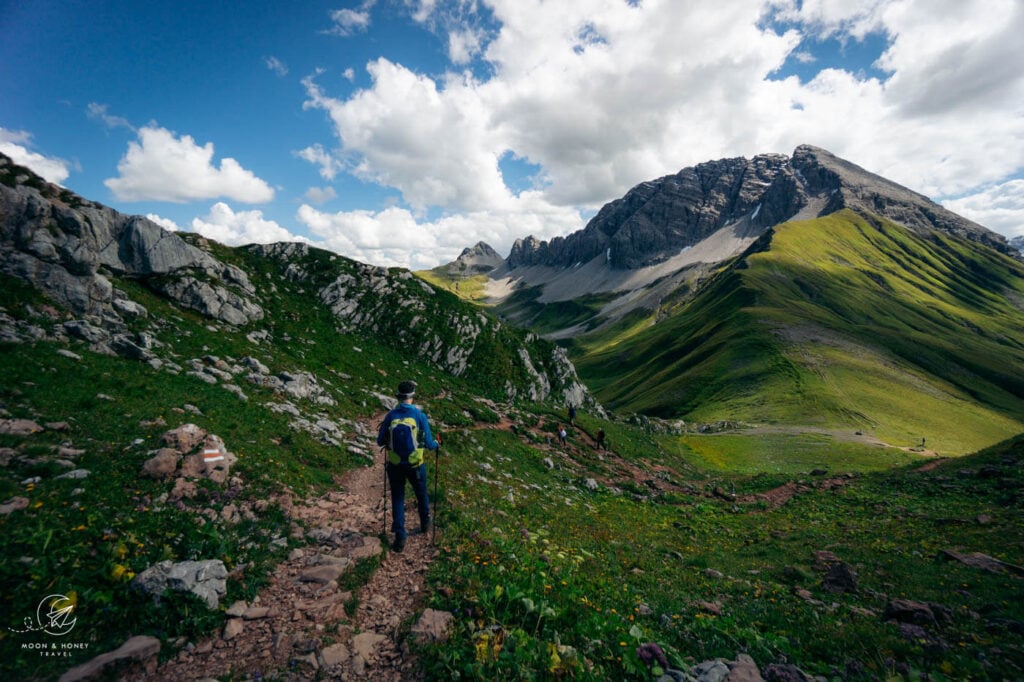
{"x": 796, "y": 449}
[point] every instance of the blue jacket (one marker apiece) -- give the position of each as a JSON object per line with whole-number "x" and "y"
{"x": 426, "y": 438}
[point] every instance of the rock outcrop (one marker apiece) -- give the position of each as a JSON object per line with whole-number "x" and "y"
{"x": 657, "y": 219}
{"x": 70, "y": 248}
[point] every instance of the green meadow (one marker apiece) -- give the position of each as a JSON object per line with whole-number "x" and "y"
{"x": 838, "y": 322}
{"x": 550, "y": 578}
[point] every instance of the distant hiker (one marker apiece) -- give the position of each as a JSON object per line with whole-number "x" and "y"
{"x": 561, "y": 436}
{"x": 572, "y": 415}
{"x": 600, "y": 439}
{"x": 405, "y": 431}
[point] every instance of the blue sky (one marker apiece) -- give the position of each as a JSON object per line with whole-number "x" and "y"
{"x": 399, "y": 132}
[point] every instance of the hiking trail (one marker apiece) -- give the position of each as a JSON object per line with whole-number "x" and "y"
{"x": 303, "y": 623}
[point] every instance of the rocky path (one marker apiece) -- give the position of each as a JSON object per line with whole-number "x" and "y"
{"x": 304, "y": 624}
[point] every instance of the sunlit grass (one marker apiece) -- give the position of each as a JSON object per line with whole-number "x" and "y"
{"x": 537, "y": 563}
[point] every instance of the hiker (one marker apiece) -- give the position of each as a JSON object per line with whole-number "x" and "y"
{"x": 572, "y": 415}
{"x": 600, "y": 439}
{"x": 561, "y": 436}
{"x": 405, "y": 431}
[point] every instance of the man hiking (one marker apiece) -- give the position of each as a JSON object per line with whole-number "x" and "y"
{"x": 406, "y": 433}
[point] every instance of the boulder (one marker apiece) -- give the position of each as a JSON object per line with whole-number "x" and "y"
{"x": 840, "y": 578}
{"x": 212, "y": 462}
{"x": 433, "y": 626}
{"x": 785, "y": 672}
{"x": 333, "y": 655}
{"x": 710, "y": 671}
{"x": 323, "y": 574}
{"x": 12, "y": 505}
{"x": 743, "y": 669}
{"x": 163, "y": 464}
{"x": 185, "y": 438}
{"x": 138, "y": 648}
{"x": 233, "y": 628}
{"x": 917, "y": 613}
{"x": 205, "y": 579}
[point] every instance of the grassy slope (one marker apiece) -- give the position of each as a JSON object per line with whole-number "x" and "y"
{"x": 549, "y": 578}
{"x": 468, "y": 288}
{"x": 839, "y": 322}
{"x": 90, "y": 543}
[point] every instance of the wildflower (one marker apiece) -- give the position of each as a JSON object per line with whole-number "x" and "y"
{"x": 650, "y": 653}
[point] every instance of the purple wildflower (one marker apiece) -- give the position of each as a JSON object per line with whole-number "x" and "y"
{"x": 651, "y": 653}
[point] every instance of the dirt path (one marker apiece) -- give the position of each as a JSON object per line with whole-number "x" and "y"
{"x": 303, "y": 624}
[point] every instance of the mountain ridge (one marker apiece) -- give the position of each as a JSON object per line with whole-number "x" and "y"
{"x": 697, "y": 330}
{"x": 75, "y": 251}
{"x": 657, "y": 218}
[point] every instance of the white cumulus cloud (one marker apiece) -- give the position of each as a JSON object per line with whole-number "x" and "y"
{"x": 16, "y": 144}
{"x": 165, "y": 223}
{"x": 318, "y": 156}
{"x": 350, "y": 21}
{"x": 999, "y": 208}
{"x": 226, "y": 226}
{"x": 320, "y": 195}
{"x": 161, "y": 166}
{"x": 397, "y": 237}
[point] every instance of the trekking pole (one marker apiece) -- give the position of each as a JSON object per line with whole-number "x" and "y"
{"x": 385, "y": 453}
{"x": 437, "y": 476}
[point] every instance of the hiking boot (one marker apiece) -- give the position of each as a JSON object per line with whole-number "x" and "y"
{"x": 398, "y": 545}
{"x": 425, "y": 527}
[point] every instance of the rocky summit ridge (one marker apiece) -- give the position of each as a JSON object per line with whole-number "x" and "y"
{"x": 478, "y": 259}
{"x": 657, "y": 219}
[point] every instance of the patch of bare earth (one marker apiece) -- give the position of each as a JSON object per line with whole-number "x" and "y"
{"x": 303, "y": 625}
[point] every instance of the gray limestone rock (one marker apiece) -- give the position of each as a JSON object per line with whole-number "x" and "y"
{"x": 64, "y": 244}
{"x": 205, "y": 579}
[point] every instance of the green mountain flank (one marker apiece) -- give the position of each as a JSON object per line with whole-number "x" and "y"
{"x": 841, "y": 321}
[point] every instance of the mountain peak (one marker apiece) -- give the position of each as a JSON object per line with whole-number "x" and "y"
{"x": 657, "y": 219}
{"x": 478, "y": 259}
